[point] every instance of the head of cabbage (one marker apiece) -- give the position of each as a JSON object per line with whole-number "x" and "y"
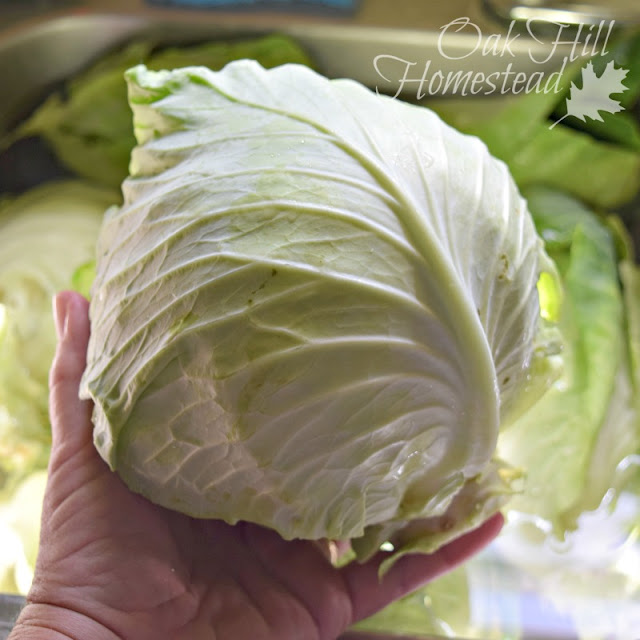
{"x": 314, "y": 310}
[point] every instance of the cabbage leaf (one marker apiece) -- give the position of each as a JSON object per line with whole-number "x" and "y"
{"x": 597, "y": 162}
{"x": 574, "y": 442}
{"x": 88, "y": 124}
{"x": 46, "y": 234}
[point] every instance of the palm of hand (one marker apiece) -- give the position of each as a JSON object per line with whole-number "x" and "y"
{"x": 142, "y": 571}
{"x": 147, "y": 572}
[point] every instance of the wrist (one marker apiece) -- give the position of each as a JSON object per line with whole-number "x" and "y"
{"x": 38, "y": 621}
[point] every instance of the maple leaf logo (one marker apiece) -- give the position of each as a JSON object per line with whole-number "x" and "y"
{"x": 595, "y": 95}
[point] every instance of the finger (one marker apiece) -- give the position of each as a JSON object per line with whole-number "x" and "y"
{"x": 70, "y": 416}
{"x": 332, "y": 550}
{"x": 369, "y": 593}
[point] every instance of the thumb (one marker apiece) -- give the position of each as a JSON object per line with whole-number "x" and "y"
{"x": 70, "y": 417}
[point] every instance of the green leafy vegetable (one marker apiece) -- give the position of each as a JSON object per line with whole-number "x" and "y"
{"x": 89, "y": 124}
{"x": 596, "y": 161}
{"x": 435, "y": 610}
{"x": 573, "y": 440}
{"x": 311, "y": 310}
{"x": 619, "y": 128}
{"x": 597, "y": 172}
{"x": 44, "y": 236}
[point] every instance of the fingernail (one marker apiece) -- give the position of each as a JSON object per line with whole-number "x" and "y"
{"x": 60, "y": 309}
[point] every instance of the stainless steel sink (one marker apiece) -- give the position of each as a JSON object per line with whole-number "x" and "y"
{"x": 43, "y": 43}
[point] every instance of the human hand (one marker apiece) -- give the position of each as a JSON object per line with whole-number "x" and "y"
{"x": 112, "y": 565}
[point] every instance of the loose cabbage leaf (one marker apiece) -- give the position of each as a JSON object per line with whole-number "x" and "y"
{"x": 630, "y": 276}
{"x": 436, "y": 610}
{"x": 596, "y": 162}
{"x": 45, "y": 235}
{"x": 89, "y": 123}
{"x": 311, "y": 309}
{"x": 600, "y": 173}
{"x": 621, "y": 128}
{"x": 573, "y": 441}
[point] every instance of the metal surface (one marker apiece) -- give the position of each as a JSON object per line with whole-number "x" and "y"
{"x": 40, "y": 50}
{"x": 585, "y": 12}
{"x": 9, "y": 609}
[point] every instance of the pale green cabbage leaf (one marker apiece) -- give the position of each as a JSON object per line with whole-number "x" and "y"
{"x": 596, "y": 160}
{"x": 88, "y": 123}
{"x": 45, "y": 236}
{"x": 581, "y": 439}
{"x": 312, "y": 309}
